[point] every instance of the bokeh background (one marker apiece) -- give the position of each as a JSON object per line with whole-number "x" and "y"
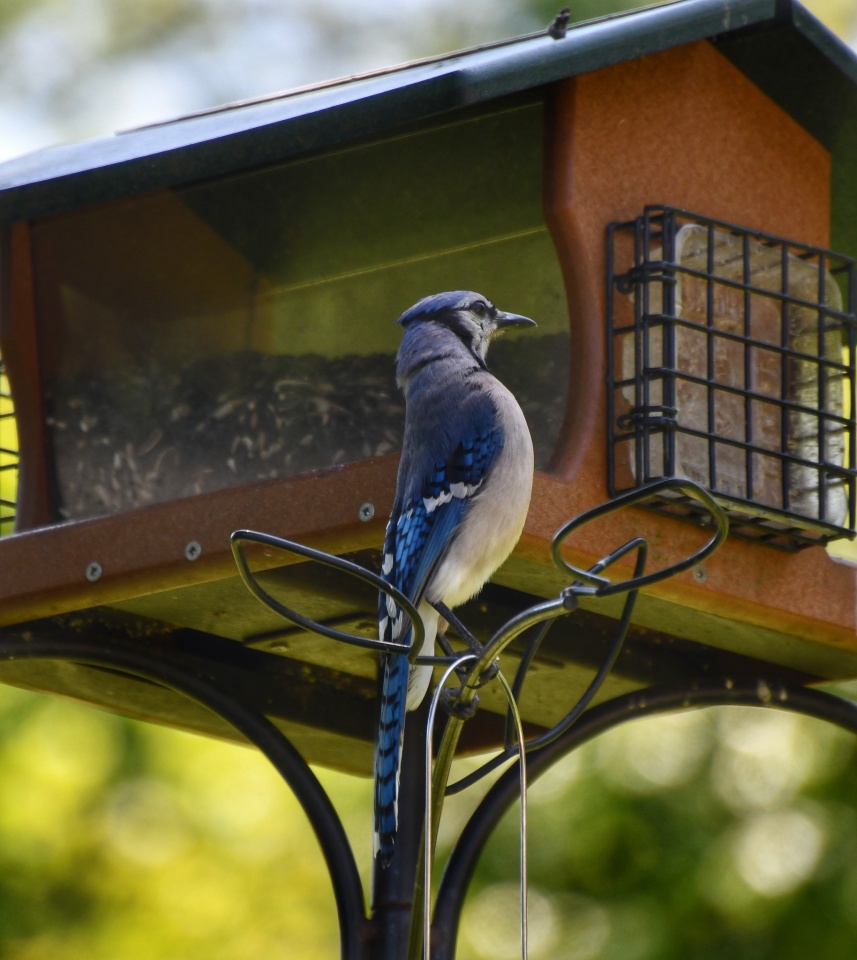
{"x": 708, "y": 835}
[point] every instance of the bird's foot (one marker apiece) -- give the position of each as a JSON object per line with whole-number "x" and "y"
{"x": 447, "y": 614}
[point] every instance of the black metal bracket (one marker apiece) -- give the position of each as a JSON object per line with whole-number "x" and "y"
{"x": 398, "y": 935}
{"x": 395, "y": 929}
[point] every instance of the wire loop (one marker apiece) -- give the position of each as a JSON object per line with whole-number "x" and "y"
{"x": 337, "y": 563}
{"x": 603, "y": 587}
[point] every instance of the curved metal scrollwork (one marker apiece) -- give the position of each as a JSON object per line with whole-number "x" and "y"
{"x": 478, "y": 666}
{"x": 240, "y": 537}
{"x": 360, "y": 937}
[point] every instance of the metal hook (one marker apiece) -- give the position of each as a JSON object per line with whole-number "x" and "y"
{"x": 522, "y": 771}
{"x": 428, "y": 832}
{"x": 429, "y": 824}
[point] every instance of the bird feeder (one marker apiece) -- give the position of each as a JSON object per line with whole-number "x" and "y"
{"x": 196, "y": 326}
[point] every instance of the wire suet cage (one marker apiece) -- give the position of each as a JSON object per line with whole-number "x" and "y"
{"x": 731, "y": 364}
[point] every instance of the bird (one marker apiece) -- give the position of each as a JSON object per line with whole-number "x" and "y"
{"x": 462, "y": 495}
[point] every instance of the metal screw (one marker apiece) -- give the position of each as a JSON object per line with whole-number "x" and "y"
{"x": 700, "y": 574}
{"x": 93, "y": 571}
{"x": 366, "y": 511}
{"x": 192, "y": 550}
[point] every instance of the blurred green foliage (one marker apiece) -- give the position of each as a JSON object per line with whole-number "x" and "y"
{"x": 722, "y": 834}
{"x": 123, "y": 839}
{"x": 727, "y": 833}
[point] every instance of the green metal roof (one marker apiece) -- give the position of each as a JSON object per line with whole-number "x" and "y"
{"x": 777, "y": 43}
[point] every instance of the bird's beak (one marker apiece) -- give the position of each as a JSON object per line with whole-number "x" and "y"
{"x": 504, "y": 320}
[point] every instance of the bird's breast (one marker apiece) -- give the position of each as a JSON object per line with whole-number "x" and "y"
{"x": 496, "y": 516}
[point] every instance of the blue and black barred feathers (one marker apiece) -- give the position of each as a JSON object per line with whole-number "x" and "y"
{"x": 391, "y": 731}
{"x": 418, "y": 536}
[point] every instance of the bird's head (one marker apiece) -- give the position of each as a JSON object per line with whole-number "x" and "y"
{"x": 470, "y": 316}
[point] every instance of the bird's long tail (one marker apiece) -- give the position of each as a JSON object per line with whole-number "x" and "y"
{"x": 388, "y": 750}
{"x": 402, "y": 689}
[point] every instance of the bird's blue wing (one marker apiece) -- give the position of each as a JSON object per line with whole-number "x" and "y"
{"x": 425, "y": 519}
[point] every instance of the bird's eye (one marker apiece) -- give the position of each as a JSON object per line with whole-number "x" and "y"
{"x": 479, "y": 308}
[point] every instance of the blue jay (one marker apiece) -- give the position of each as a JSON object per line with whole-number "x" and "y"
{"x": 462, "y": 496}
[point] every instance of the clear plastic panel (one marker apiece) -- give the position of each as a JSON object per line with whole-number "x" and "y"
{"x": 243, "y": 330}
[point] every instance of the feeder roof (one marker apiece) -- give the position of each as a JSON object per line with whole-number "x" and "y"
{"x": 788, "y": 53}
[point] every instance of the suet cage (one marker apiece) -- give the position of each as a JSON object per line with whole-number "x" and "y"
{"x": 730, "y": 363}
